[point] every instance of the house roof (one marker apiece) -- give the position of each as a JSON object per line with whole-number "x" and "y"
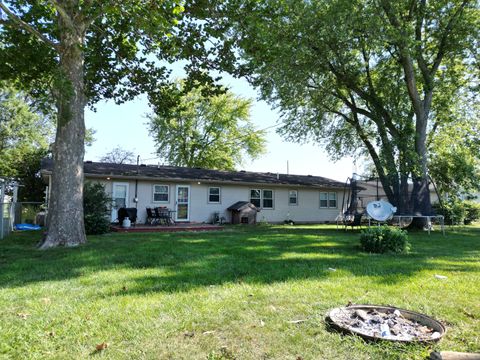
{"x": 125, "y": 171}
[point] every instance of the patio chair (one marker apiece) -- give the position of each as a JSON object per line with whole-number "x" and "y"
{"x": 152, "y": 217}
{"x": 163, "y": 215}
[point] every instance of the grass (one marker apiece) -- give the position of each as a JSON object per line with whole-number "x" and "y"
{"x": 228, "y": 295}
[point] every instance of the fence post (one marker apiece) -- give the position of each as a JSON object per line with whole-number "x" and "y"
{"x": 11, "y": 217}
{"x": 1, "y": 219}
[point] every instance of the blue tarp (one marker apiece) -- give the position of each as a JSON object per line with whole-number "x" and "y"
{"x": 27, "y": 227}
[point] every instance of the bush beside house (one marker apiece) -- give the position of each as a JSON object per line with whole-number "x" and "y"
{"x": 96, "y": 207}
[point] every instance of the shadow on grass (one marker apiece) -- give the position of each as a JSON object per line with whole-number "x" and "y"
{"x": 248, "y": 255}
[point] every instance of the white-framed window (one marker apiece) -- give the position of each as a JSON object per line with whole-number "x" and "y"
{"x": 324, "y": 200}
{"x": 160, "y": 193}
{"x": 267, "y": 202}
{"x": 214, "y": 195}
{"x": 292, "y": 197}
{"x": 332, "y": 200}
{"x": 262, "y": 198}
{"x": 328, "y": 199}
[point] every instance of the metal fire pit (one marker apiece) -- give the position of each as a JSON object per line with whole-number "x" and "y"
{"x": 398, "y": 324}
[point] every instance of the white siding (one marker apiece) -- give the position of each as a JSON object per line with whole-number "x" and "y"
{"x": 307, "y": 210}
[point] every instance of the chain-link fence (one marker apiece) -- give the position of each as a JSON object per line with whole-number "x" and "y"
{"x": 29, "y": 213}
{"x": 6, "y": 219}
{"x": 20, "y": 213}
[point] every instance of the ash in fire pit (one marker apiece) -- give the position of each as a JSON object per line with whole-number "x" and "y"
{"x": 388, "y": 323}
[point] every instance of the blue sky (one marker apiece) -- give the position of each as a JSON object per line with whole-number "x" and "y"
{"x": 125, "y": 125}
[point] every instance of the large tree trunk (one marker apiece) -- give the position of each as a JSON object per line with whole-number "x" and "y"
{"x": 65, "y": 213}
{"x": 421, "y": 193}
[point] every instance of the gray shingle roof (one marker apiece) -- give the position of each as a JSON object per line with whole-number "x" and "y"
{"x": 198, "y": 174}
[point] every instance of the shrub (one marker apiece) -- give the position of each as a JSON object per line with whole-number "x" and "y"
{"x": 458, "y": 212}
{"x": 472, "y": 212}
{"x": 96, "y": 208}
{"x": 384, "y": 239}
{"x": 453, "y": 211}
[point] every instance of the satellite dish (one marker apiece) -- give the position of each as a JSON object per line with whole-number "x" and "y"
{"x": 380, "y": 210}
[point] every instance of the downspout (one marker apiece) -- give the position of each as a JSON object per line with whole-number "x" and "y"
{"x": 136, "y": 184}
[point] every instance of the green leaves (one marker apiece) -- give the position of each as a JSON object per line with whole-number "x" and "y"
{"x": 21, "y": 130}
{"x": 96, "y": 207}
{"x": 124, "y": 44}
{"x": 25, "y": 135}
{"x": 196, "y": 127}
{"x": 359, "y": 77}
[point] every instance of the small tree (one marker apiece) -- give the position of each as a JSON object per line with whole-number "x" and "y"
{"x": 26, "y": 131}
{"x": 209, "y": 131}
{"x": 119, "y": 156}
{"x": 96, "y": 205}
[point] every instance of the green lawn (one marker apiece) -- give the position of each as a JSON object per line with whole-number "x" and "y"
{"x": 228, "y": 295}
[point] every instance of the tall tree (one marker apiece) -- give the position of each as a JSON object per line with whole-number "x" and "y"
{"x": 361, "y": 77}
{"x": 205, "y": 130}
{"x": 80, "y": 51}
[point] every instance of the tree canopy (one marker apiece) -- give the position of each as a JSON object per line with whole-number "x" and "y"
{"x": 454, "y": 161}
{"x": 361, "y": 77}
{"x": 25, "y": 135}
{"x": 76, "y": 52}
{"x": 212, "y": 132}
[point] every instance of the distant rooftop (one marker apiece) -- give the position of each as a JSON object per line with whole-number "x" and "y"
{"x": 98, "y": 169}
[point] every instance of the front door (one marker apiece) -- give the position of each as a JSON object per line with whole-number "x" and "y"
{"x": 182, "y": 203}
{"x": 119, "y": 197}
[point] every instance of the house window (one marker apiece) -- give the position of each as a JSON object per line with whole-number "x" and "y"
{"x": 324, "y": 200}
{"x": 328, "y": 200}
{"x": 267, "y": 199}
{"x": 255, "y": 197}
{"x": 214, "y": 195}
{"x": 292, "y": 197}
{"x": 262, "y": 198}
{"x": 160, "y": 193}
{"x": 332, "y": 200}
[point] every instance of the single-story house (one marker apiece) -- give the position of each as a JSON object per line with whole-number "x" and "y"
{"x": 196, "y": 194}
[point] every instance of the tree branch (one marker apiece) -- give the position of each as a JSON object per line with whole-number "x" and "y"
{"x": 422, "y": 64}
{"x": 63, "y": 14}
{"x": 405, "y": 60}
{"x": 373, "y": 99}
{"x": 25, "y": 26}
{"x": 446, "y": 33}
{"x": 88, "y": 5}
{"x": 353, "y": 106}
{"x": 411, "y": 8}
{"x": 370, "y": 148}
